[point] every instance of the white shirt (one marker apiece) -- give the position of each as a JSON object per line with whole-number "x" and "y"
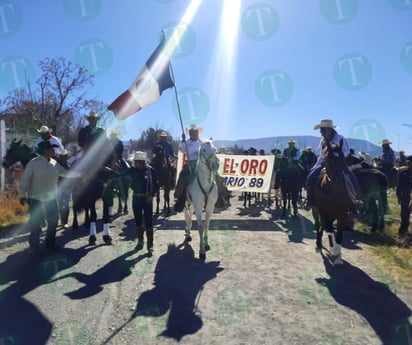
{"x": 39, "y": 180}
{"x": 193, "y": 148}
{"x": 335, "y": 140}
{"x": 53, "y": 141}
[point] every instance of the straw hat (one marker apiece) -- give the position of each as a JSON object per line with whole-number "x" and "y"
{"x": 163, "y": 135}
{"x": 92, "y": 115}
{"x": 44, "y": 129}
{"x": 325, "y": 124}
{"x": 385, "y": 142}
{"x": 140, "y": 156}
{"x": 194, "y": 128}
{"x": 114, "y": 134}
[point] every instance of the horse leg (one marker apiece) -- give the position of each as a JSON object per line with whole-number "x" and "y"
{"x": 285, "y": 202}
{"x": 167, "y": 198}
{"x": 75, "y": 209}
{"x": 319, "y": 229}
{"x": 295, "y": 196}
{"x": 87, "y": 217}
{"x": 188, "y": 220}
{"x": 157, "y": 202}
{"x": 106, "y": 220}
{"x": 200, "y": 226}
{"x": 93, "y": 218}
{"x": 336, "y": 241}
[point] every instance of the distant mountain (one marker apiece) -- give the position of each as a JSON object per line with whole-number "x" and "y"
{"x": 303, "y": 141}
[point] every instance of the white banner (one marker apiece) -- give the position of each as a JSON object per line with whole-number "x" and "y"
{"x": 243, "y": 173}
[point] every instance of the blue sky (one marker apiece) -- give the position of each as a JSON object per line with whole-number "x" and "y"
{"x": 243, "y": 68}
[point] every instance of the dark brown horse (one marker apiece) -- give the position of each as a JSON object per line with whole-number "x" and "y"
{"x": 331, "y": 200}
{"x": 373, "y": 184}
{"x": 165, "y": 175}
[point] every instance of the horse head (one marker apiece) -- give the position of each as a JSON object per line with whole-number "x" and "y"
{"x": 208, "y": 155}
{"x": 17, "y": 152}
{"x": 334, "y": 159}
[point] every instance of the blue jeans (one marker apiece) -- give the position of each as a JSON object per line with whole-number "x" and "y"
{"x": 314, "y": 174}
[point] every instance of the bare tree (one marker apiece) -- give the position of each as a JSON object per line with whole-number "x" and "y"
{"x": 58, "y": 98}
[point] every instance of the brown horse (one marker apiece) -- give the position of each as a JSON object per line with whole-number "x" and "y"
{"x": 165, "y": 175}
{"x": 331, "y": 200}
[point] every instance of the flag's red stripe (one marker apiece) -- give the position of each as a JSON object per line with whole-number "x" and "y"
{"x": 124, "y": 105}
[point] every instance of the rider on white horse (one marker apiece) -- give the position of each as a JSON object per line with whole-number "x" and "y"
{"x": 192, "y": 148}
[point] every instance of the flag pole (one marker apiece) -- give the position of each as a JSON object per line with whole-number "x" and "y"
{"x": 177, "y": 98}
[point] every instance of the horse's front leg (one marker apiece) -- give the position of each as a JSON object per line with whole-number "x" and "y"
{"x": 201, "y": 229}
{"x": 335, "y": 241}
{"x": 188, "y": 220}
{"x": 157, "y": 202}
{"x": 167, "y": 198}
{"x": 208, "y": 216}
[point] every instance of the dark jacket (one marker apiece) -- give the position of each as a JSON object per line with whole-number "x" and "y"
{"x": 143, "y": 182}
{"x": 88, "y": 136}
{"x": 404, "y": 187}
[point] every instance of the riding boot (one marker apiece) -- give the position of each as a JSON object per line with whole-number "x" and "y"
{"x": 180, "y": 194}
{"x": 140, "y": 239}
{"x": 149, "y": 234}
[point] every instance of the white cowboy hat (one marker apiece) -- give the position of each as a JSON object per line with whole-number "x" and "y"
{"x": 325, "y": 124}
{"x": 163, "y": 135}
{"x": 44, "y": 129}
{"x": 140, "y": 156}
{"x": 194, "y": 128}
{"x": 92, "y": 115}
{"x": 114, "y": 133}
{"x": 385, "y": 142}
{"x": 291, "y": 141}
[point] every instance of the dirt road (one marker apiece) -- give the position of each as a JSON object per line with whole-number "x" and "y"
{"x": 262, "y": 283}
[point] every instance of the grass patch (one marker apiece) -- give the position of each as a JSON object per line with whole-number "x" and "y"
{"x": 11, "y": 211}
{"x": 393, "y": 255}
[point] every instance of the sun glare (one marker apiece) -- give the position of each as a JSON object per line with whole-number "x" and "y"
{"x": 223, "y": 68}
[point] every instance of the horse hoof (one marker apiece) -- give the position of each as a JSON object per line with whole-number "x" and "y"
{"x": 92, "y": 240}
{"x": 107, "y": 240}
{"x": 338, "y": 261}
{"x": 202, "y": 256}
{"x": 207, "y": 247}
{"x": 188, "y": 238}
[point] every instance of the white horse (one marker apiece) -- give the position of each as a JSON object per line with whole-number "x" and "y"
{"x": 202, "y": 195}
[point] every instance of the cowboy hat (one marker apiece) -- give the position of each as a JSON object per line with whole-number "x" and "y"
{"x": 44, "y": 129}
{"x": 92, "y": 115}
{"x": 291, "y": 141}
{"x": 325, "y": 124}
{"x": 163, "y": 134}
{"x": 43, "y": 146}
{"x": 385, "y": 142}
{"x": 140, "y": 156}
{"x": 114, "y": 133}
{"x": 194, "y": 128}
